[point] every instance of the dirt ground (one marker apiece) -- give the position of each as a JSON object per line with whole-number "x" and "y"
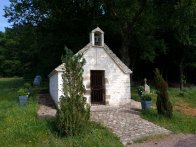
{"x": 47, "y": 107}
{"x": 177, "y": 140}
{"x": 185, "y": 108}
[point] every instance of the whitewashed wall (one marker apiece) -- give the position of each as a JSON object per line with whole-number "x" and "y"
{"x": 118, "y": 90}
{"x": 53, "y": 87}
{"x": 60, "y": 85}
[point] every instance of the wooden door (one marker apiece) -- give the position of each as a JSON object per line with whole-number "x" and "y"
{"x": 97, "y": 87}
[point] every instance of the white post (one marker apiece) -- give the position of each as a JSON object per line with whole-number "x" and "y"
{"x": 102, "y": 39}
{"x": 93, "y": 38}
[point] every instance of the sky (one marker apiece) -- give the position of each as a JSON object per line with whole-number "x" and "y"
{"x": 3, "y": 21}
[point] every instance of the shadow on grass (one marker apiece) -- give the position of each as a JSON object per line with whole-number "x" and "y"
{"x": 51, "y": 125}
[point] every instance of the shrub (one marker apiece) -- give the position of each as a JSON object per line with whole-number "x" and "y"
{"x": 73, "y": 113}
{"x": 140, "y": 90}
{"x": 146, "y": 97}
{"x": 22, "y": 92}
{"x": 164, "y": 106}
{"x": 27, "y": 85}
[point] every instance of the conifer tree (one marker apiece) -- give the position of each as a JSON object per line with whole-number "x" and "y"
{"x": 164, "y": 106}
{"x": 73, "y": 113}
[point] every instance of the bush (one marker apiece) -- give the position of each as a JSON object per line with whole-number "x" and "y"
{"x": 22, "y": 92}
{"x": 27, "y": 85}
{"x": 164, "y": 106}
{"x": 140, "y": 90}
{"x": 73, "y": 114}
{"x": 146, "y": 97}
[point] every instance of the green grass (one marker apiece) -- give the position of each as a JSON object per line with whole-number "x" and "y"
{"x": 180, "y": 122}
{"x": 134, "y": 94}
{"x": 19, "y": 125}
{"x": 188, "y": 95}
{"x": 151, "y": 138}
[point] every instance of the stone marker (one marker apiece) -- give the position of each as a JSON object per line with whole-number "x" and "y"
{"x": 37, "y": 80}
{"x": 146, "y": 87}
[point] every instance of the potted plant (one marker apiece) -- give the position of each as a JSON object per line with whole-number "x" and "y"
{"x": 140, "y": 91}
{"x": 27, "y": 86}
{"x": 23, "y": 96}
{"x": 146, "y": 101}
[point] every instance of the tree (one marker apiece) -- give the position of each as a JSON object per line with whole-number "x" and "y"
{"x": 52, "y": 26}
{"x": 135, "y": 21}
{"x": 10, "y": 63}
{"x": 164, "y": 106}
{"x": 67, "y": 22}
{"x": 142, "y": 32}
{"x": 73, "y": 113}
{"x": 177, "y": 28}
{"x": 184, "y": 26}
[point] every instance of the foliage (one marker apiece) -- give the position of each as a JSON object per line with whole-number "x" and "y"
{"x": 20, "y": 126}
{"x": 25, "y": 90}
{"x": 129, "y": 19}
{"x": 10, "y": 63}
{"x": 27, "y": 85}
{"x": 74, "y": 113}
{"x": 143, "y": 96}
{"x": 22, "y": 92}
{"x": 178, "y": 26}
{"x": 44, "y": 28}
{"x": 164, "y": 106}
{"x": 140, "y": 90}
{"x": 143, "y": 34}
{"x": 146, "y": 97}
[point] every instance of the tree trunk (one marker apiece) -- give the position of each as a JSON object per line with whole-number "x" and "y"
{"x": 181, "y": 68}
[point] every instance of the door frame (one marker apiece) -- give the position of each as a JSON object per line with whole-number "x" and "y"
{"x": 97, "y": 94}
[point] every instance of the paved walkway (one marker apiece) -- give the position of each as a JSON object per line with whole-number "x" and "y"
{"x": 123, "y": 121}
{"x": 47, "y": 107}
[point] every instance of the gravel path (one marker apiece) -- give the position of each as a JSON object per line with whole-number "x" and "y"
{"x": 125, "y": 122}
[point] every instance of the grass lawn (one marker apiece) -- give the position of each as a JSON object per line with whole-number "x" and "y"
{"x": 184, "y": 106}
{"x": 19, "y": 125}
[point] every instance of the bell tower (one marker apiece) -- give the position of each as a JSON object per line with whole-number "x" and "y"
{"x": 97, "y": 37}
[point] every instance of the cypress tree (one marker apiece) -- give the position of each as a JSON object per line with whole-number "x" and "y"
{"x": 164, "y": 106}
{"x": 73, "y": 113}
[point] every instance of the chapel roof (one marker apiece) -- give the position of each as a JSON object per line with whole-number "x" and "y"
{"x": 118, "y": 62}
{"x": 97, "y": 29}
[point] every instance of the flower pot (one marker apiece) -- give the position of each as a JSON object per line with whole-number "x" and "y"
{"x": 23, "y": 100}
{"x": 146, "y": 104}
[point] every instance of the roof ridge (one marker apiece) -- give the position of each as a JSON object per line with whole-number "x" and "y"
{"x": 121, "y": 65}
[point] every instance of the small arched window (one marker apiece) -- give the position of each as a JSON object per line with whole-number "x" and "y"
{"x": 98, "y": 38}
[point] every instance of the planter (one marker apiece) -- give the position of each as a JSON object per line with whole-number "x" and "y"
{"x": 146, "y": 104}
{"x": 23, "y": 100}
